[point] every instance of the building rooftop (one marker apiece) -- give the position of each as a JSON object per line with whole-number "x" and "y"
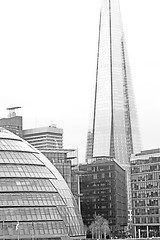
{"x": 150, "y": 151}
{"x": 47, "y": 129}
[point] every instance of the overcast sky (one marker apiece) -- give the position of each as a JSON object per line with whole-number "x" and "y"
{"x": 48, "y": 55}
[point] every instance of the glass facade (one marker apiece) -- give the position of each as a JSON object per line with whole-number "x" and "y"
{"x": 113, "y": 129}
{"x": 35, "y": 201}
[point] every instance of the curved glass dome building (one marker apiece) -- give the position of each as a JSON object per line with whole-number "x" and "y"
{"x": 35, "y": 201}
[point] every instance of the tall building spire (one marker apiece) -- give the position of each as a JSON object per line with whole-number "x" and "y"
{"x": 113, "y": 129}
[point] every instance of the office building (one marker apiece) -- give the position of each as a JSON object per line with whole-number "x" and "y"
{"x": 103, "y": 192}
{"x": 145, "y": 186}
{"x": 35, "y": 201}
{"x": 113, "y": 129}
{"x": 44, "y": 138}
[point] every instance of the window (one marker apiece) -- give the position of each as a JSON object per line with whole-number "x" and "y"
{"x": 103, "y": 175}
{"x": 94, "y": 176}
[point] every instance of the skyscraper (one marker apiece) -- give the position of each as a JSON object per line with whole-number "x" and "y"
{"x": 113, "y": 129}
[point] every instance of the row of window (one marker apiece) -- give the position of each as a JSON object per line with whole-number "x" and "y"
{"x": 97, "y": 184}
{"x": 31, "y": 199}
{"x": 102, "y": 192}
{"x": 45, "y": 141}
{"x": 25, "y": 171}
{"x": 29, "y": 214}
{"x": 146, "y": 211}
{"x": 87, "y": 205}
{"x": 148, "y": 202}
{"x": 11, "y": 184}
{"x": 56, "y": 155}
{"x": 102, "y": 198}
{"x": 146, "y": 194}
{"x": 15, "y": 145}
{"x": 47, "y": 145}
{"x": 141, "y": 220}
{"x": 100, "y": 168}
{"x": 43, "y": 136}
{"x": 146, "y": 161}
{"x": 34, "y": 228}
{"x": 145, "y": 185}
{"x": 19, "y": 157}
{"x": 146, "y": 177}
{"x": 145, "y": 168}
{"x": 95, "y": 176}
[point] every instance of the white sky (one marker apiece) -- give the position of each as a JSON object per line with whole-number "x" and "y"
{"x": 48, "y": 55}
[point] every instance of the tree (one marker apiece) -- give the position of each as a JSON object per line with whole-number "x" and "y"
{"x": 85, "y": 230}
{"x": 92, "y": 228}
{"x": 105, "y": 229}
{"x": 99, "y": 227}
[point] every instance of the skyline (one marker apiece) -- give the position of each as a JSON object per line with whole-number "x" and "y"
{"x": 37, "y": 57}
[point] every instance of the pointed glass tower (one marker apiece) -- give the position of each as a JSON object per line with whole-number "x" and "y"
{"x": 113, "y": 129}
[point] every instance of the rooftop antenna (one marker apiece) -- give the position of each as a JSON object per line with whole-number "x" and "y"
{"x": 12, "y": 111}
